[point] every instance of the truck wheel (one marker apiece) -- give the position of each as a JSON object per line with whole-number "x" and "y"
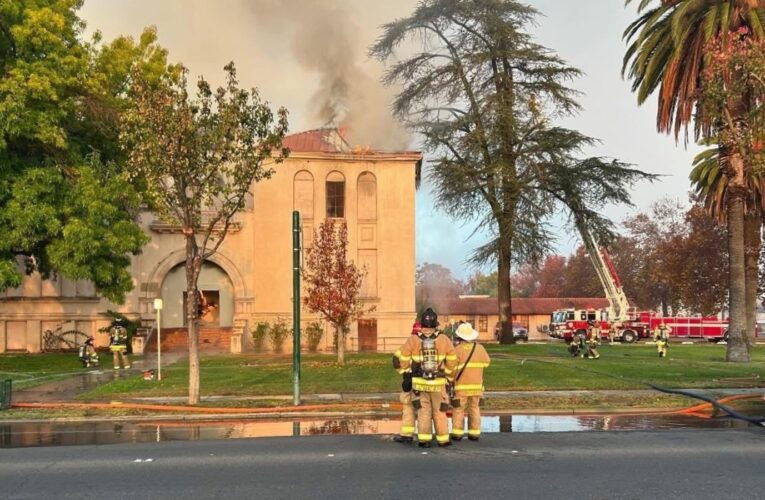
{"x": 628, "y": 336}
{"x": 726, "y": 336}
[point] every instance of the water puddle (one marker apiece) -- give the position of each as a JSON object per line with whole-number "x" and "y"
{"x": 16, "y": 435}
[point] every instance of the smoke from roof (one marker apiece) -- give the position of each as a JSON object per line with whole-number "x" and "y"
{"x": 309, "y": 55}
{"x": 327, "y": 40}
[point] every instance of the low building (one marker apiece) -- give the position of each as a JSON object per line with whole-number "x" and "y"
{"x": 249, "y": 279}
{"x": 482, "y": 312}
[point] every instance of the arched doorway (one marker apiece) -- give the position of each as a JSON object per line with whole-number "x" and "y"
{"x": 218, "y": 291}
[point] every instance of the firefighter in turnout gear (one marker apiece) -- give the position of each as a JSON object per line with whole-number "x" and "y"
{"x": 87, "y": 354}
{"x": 431, "y": 359}
{"x": 408, "y": 415}
{"x": 472, "y": 359}
{"x": 661, "y": 337}
{"x": 118, "y": 346}
{"x": 593, "y": 339}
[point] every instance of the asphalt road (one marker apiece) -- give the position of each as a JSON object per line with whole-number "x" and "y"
{"x": 695, "y": 464}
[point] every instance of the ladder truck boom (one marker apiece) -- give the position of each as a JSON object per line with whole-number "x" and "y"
{"x": 618, "y": 305}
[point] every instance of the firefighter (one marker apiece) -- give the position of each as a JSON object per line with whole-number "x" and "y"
{"x": 611, "y": 332}
{"x": 87, "y": 354}
{"x": 576, "y": 346}
{"x": 118, "y": 346}
{"x": 431, "y": 358}
{"x": 472, "y": 358}
{"x": 593, "y": 340}
{"x": 661, "y": 337}
{"x": 407, "y": 410}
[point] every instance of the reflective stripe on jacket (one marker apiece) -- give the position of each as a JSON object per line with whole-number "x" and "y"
{"x": 470, "y": 382}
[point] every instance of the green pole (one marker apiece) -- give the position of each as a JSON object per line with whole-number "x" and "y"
{"x": 296, "y": 308}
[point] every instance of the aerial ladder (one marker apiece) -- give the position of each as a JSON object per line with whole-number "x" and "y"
{"x": 618, "y": 305}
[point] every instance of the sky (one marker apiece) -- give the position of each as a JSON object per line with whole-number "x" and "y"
{"x": 310, "y": 56}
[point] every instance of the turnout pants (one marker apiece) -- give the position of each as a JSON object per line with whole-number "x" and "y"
{"x": 407, "y": 414}
{"x": 431, "y": 411}
{"x": 661, "y": 347}
{"x": 469, "y": 405}
{"x": 120, "y": 357}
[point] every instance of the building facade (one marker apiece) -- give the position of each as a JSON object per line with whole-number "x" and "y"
{"x": 249, "y": 279}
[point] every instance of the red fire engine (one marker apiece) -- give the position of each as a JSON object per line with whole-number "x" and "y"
{"x": 630, "y": 325}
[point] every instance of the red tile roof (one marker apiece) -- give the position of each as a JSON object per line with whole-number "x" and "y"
{"x": 320, "y": 140}
{"x": 488, "y": 305}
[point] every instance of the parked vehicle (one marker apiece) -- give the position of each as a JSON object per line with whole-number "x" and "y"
{"x": 520, "y": 332}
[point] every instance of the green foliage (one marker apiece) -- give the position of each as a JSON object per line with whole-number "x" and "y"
{"x": 63, "y": 205}
{"x": 259, "y": 335}
{"x": 313, "y": 332}
{"x": 277, "y": 334}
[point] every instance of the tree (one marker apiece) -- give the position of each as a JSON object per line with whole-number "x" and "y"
{"x": 551, "y": 277}
{"x": 484, "y": 95}
{"x": 197, "y": 159}
{"x": 711, "y": 186}
{"x": 333, "y": 282}
{"x": 64, "y": 206}
{"x": 482, "y": 284}
{"x": 670, "y": 47}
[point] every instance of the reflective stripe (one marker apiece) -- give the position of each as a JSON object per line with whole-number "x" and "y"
{"x": 458, "y": 432}
{"x": 424, "y": 437}
{"x": 417, "y": 357}
{"x": 407, "y": 430}
{"x": 473, "y": 364}
{"x": 448, "y": 371}
{"x": 452, "y": 357}
{"x": 474, "y": 432}
{"x": 420, "y": 384}
{"x": 468, "y": 387}
{"x": 401, "y": 371}
{"x": 442, "y": 438}
{"x": 402, "y": 357}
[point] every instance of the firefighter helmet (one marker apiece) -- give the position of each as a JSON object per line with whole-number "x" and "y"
{"x": 429, "y": 318}
{"x": 466, "y": 332}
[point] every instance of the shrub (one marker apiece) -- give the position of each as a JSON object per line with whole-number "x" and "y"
{"x": 313, "y": 333}
{"x": 259, "y": 335}
{"x": 278, "y": 333}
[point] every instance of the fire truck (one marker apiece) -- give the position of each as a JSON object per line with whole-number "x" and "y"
{"x": 630, "y": 324}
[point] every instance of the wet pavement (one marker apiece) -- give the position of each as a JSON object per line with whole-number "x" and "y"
{"x": 36, "y": 434}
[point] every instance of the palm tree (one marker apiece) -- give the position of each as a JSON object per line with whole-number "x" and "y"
{"x": 711, "y": 186}
{"x": 668, "y": 50}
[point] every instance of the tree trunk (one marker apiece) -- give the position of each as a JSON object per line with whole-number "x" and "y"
{"x": 340, "y": 345}
{"x": 753, "y": 245}
{"x": 504, "y": 291}
{"x": 192, "y": 323}
{"x": 737, "y": 345}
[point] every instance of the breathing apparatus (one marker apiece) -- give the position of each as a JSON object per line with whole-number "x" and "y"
{"x": 430, "y": 365}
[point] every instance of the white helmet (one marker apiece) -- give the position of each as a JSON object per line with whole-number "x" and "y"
{"x": 466, "y": 332}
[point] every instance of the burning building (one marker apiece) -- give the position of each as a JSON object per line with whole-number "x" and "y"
{"x": 248, "y": 281}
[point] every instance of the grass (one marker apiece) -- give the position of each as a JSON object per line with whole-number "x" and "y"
{"x": 514, "y": 368}
{"x": 28, "y": 370}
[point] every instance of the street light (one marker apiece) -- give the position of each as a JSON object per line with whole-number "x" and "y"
{"x": 158, "y": 308}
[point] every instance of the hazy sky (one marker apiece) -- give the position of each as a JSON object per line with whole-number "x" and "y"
{"x": 283, "y": 48}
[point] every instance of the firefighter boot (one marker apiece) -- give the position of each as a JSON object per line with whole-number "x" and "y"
{"x": 403, "y": 439}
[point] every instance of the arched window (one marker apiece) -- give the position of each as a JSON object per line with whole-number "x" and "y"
{"x": 367, "y": 197}
{"x": 303, "y": 194}
{"x": 335, "y": 195}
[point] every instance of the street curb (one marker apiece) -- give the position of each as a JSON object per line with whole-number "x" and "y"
{"x": 333, "y": 414}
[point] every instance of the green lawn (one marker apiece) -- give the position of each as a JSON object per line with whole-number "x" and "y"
{"x": 27, "y": 370}
{"x": 519, "y": 368}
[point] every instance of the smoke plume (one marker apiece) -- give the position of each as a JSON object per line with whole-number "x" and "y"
{"x": 327, "y": 40}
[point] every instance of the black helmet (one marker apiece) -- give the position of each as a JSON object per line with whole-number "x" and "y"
{"x": 429, "y": 318}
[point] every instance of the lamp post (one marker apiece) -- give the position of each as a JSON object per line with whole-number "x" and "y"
{"x": 158, "y": 308}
